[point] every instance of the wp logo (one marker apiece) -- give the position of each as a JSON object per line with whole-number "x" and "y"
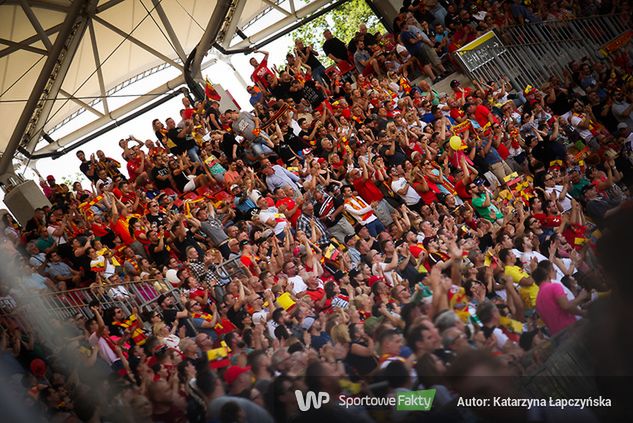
{"x": 311, "y": 399}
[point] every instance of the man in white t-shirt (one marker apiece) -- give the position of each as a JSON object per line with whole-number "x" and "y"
{"x": 98, "y": 334}
{"x": 271, "y": 217}
{"x": 402, "y": 187}
{"x": 528, "y": 254}
{"x": 298, "y": 284}
{"x": 561, "y": 192}
{"x": 581, "y": 118}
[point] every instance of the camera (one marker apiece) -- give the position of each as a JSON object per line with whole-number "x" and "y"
{"x": 479, "y": 181}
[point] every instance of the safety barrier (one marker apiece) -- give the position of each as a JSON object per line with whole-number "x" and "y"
{"x": 44, "y": 310}
{"x": 140, "y": 295}
{"x": 530, "y": 54}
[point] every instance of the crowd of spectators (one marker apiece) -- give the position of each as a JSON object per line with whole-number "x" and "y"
{"x": 388, "y": 236}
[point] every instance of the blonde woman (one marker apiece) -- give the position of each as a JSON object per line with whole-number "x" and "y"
{"x": 165, "y": 336}
{"x": 361, "y": 355}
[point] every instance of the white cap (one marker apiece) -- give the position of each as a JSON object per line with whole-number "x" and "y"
{"x": 171, "y": 276}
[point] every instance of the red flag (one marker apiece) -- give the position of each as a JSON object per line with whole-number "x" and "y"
{"x": 210, "y": 92}
{"x": 225, "y": 326}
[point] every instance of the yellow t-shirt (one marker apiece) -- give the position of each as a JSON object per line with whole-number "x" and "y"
{"x": 528, "y": 293}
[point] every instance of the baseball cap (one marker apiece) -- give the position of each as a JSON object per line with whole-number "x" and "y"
{"x": 454, "y": 83}
{"x": 373, "y": 279}
{"x": 622, "y": 125}
{"x": 50, "y": 178}
{"x": 232, "y": 373}
{"x": 234, "y": 186}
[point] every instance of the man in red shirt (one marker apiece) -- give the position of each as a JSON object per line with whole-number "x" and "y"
{"x": 368, "y": 191}
{"x": 286, "y": 205}
{"x": 458, "y": 91}
{"x": 136, "y": 167}
{"x": 188, "y": 112}
{"x": 315, "y": 292}
{"x": 261, "y": 70}
{"x": 456, "y": 111}
{"x": 482, "y": 114}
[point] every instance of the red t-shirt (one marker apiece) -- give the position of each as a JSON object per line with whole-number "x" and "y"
{"x": 137, "y": 234}
{"x": 503, "y": 151}
{"x": 367, "y": 190}
{"x": 130, "y": 196}
{"x": 260, "y": 72}
{"x": 457, "y": 113}
{"x": 246, "y": 261}
{"x": 99, "y": 229}
{"x": 416, "y": 250}
{"x": 460, "y": 189}
{"x": 548, "y": 221}
{"x": 458, "y": 94}
{"x": 188, "y": 113}
{"x": 315, "y": 294}
{"x": 481, "y": 115}
{"x": 132, "y": 169}
{"x": 290, "y": 204}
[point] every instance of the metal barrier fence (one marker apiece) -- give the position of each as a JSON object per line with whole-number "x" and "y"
{"x": 530, "y": 54}
{"x": 42, "y": 310}
{"x": 141, "y": 295}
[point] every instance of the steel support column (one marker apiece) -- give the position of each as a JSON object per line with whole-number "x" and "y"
{"x": 170, "y": 30}
{"x": 39, "y": 87}
{"x": 214, "y": 25}
{"x": 231, "y": 28}
{"x": 56, "y": 78}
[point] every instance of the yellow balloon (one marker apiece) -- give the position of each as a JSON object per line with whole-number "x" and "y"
{"x": 455, "y": 142}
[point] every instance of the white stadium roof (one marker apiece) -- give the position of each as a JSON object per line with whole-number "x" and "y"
{"x": 112, "y": 43}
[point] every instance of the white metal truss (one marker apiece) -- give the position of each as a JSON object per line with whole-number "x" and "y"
{"x": 275, "y": 6}
{"x": 81, "y": 103}
{"x": 118, "y": 113}
{"x": 138, "y": 42}
{"x": 26, "y": 43}
{"x": 278, "y": 26}
{"x": 95, "y": 52}
{"x": 110, "y": 92}
{"x": 170, "y": 30}
{"x": 36, "y": 24}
